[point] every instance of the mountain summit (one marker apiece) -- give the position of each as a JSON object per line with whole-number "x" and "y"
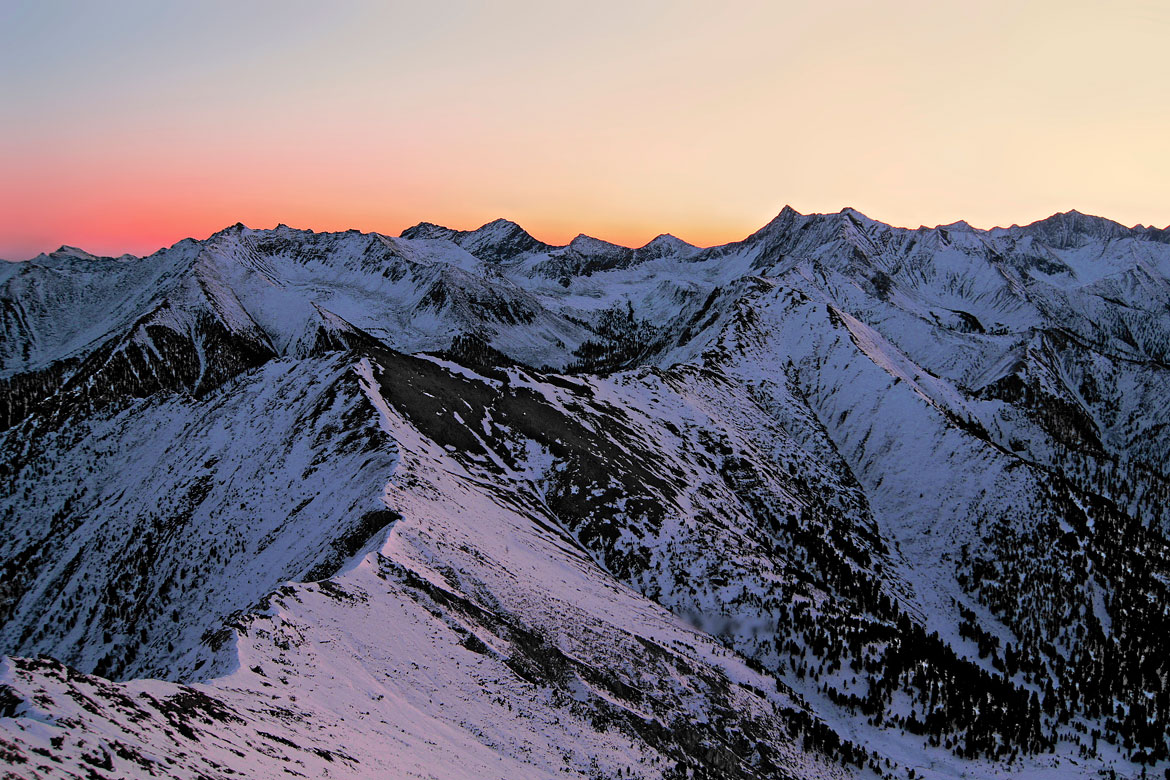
{"x": 498, "y": 240}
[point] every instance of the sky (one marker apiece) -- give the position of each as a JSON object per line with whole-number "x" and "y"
{"x": 126, "y": 126}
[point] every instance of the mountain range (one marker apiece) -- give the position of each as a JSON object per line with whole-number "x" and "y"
{"x": 837, "y": 500}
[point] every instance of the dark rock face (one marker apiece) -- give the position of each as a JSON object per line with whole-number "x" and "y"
{"x": 150, "y": 359}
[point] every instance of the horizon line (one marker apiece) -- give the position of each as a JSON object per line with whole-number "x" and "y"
{"x": 957, "y": 224}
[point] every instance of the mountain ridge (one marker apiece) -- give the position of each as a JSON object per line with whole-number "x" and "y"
{"x": 433, "y": 230}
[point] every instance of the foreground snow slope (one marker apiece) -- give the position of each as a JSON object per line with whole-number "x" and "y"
{"x": 472, "y": 638}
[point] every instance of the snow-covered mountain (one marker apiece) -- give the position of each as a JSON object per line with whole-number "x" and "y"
{"x": 837, "y": 500}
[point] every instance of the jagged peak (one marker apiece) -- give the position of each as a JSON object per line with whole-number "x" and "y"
{"x": 781, "y": 222}
{"x": 849, "y": 211}
{"x": 588, "y": 244}
{"x": 501, "y": 231}
{"x": 231, "y": 230}
{"x": 790, "y": 217}
{"x": 65, "y": 250}
{"x": 1073, "y": 228}
{"x": 65, "y": 254}
{"x": 667, "y": 240}
{"x": 427, "y": 230}
{"x": 499, "y": 223}
{"x": 498, "y": 226}
{"x": 665, "y": 245}
{"x": 1077, "y": 219}
{"x": 498, "y": 240}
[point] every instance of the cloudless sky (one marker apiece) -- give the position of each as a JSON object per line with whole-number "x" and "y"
{"x": 125, "y": 126}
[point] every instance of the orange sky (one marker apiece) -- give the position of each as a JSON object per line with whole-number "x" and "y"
{"x": 127, "y": 126}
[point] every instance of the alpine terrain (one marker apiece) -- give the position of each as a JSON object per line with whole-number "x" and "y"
{"x": 839, "y": 500}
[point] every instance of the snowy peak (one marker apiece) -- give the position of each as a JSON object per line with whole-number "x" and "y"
{"x": 668, "y": 243}
{"x": 583, "y": 256}
{"x": 65, "y": 252}
{"x": 961, "y": 225}
{"x": 499, "y": 229}
{"x": 587, "y": 255}
{"x": 665, "y": 246}
{"x": 857, "y": 216}
{"x": 498, "y": 241}
{"x": 590, "y": 246}
{"x": 1071, "y": 229}
{"x": 429, "y": 231}
{"x": 65, "y": 256}
{"x": 234, "y": 229}
{"x": 781, "y": 224}
{"x": 790, "y": 227}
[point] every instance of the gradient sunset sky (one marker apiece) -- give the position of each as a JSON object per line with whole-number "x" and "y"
{"x": 128, "y": 126}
